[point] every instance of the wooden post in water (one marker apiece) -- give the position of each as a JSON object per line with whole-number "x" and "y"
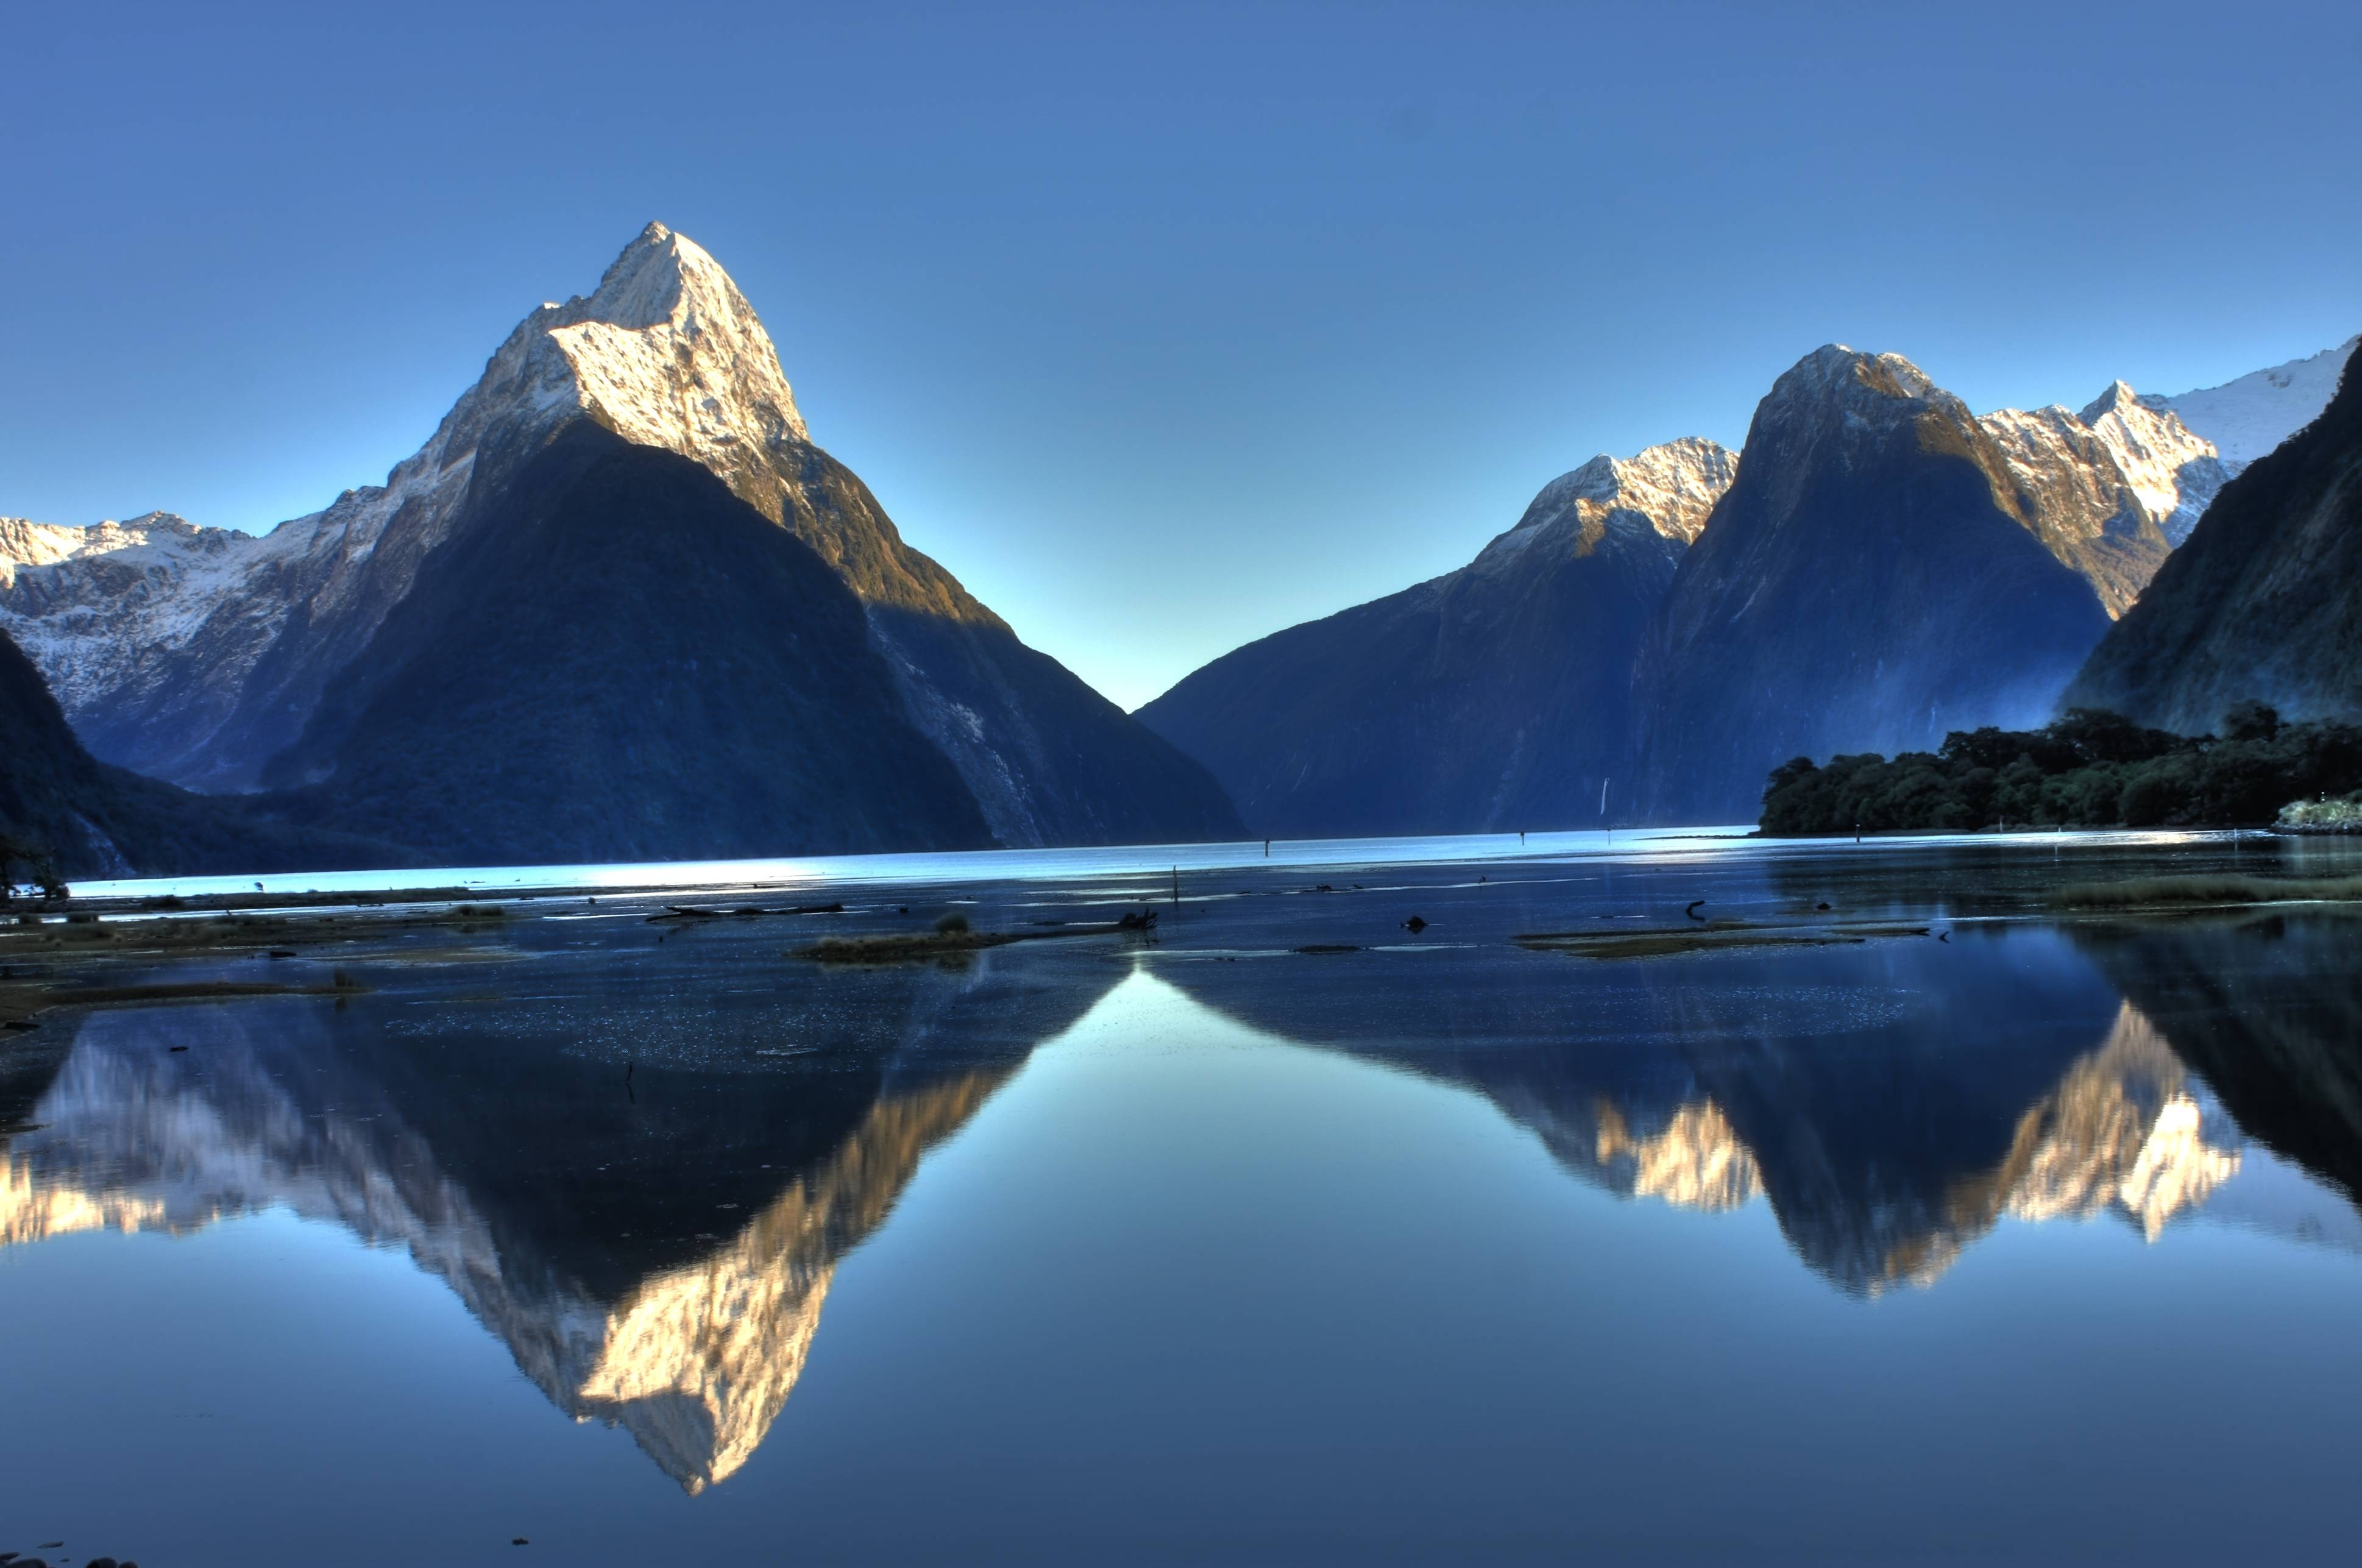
{"x": 1176, "y": 892}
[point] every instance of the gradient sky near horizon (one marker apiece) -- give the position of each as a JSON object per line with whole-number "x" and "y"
{"x": 1163, "y": 327}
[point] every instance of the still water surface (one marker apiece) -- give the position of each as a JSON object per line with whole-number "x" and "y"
{"x": 647, "y": 1244}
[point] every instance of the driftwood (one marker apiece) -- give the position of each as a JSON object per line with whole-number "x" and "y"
{"x": 687, "y": 911}
{"x": 905, "y": 945}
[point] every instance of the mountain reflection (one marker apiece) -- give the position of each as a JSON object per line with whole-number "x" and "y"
{"x": 2269, "y": 1008}
{"x": 697, "y": 1362}
{"x": 650, "y": 1218}
{"x": 2126, "y": 1132}
{"x": 684, "y": 1316}
{"x": 1891, "y": 1105}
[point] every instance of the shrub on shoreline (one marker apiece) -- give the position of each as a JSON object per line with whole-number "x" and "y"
{"x": 2341, "y": 814}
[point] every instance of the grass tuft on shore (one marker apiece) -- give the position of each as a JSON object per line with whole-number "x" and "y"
{"x": 2220, "y": 888}
{"x": 891, "y": 949}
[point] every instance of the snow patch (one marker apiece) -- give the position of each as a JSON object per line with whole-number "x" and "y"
{"x": 2247, "y": 417}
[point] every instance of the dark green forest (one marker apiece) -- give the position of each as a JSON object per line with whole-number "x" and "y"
{"x": 2090, "y": 769}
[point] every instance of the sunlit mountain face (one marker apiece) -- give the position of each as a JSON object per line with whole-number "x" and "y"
{"x": 641, "y": 1169}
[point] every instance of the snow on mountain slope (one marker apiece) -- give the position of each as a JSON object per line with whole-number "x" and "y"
{"x": 2247, "y": 417}
{"x": 90, "y": 605}
{"x": 1668, "y": 489}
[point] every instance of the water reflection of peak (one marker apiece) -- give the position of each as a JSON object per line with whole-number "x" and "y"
{"x": 654, "y": 1256}
{"x": 1891, "y": 1101}
{"x": 2269, "y": 1008}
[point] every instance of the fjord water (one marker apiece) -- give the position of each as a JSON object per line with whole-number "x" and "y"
{"x": 2019, "y": 1238}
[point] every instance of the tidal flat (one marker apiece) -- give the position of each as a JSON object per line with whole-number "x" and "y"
{"x": 1680, "y": 1199}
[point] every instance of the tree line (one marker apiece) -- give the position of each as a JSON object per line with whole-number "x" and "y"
{"x": 2090, "y": 769}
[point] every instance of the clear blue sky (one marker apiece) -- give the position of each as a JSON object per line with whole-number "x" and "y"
{"x": 1161, "y": 327}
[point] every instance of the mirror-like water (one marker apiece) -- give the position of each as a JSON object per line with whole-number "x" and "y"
{"x": 2022, "y": 1238}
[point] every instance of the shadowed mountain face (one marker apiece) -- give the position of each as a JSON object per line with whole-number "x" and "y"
{"x": 738, "y": 710}
{"x": 1874, "y": 579}
{"x": 95, "y": 820}
{"x": 202, "y": 656}
{"x": 2265, "y": 601}
{"x": 1500, "y": 696}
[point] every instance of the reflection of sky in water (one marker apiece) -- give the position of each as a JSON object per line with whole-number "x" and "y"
{"x": 1221, "y": 1265}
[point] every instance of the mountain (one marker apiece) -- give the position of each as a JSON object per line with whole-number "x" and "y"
{"x": 1878, "y": 574}
{"x": 2265, "y": 601}
{"x": 1499, "y": 696}
{"x": 1517, "y": 693}
{"x": 2246, "y": 418}
{"x": 96, "y": 819}
{"x": 741, "y": 709}
{"x": 202, "y": 656}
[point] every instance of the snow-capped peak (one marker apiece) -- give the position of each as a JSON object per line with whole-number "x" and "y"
{"x": 666, "y": 350}
{"x": 1835, "y": 367}
{"x": 2117, "y": 398}
{"x": 2170, "y": 469}
{"x": 670, "y": 349}
{"x": 1673, "y": 484}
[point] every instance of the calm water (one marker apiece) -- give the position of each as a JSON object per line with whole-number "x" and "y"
{"x": 650, "y": 1244}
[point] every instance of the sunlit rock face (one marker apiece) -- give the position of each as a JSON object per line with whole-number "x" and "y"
{"x": 696, "y": 1361}
{"x": 200, "y": 654}
{"x": 1695, "y": 1161}
{"x": 1878, "y": 580}
{"x": 2130, "y": 1133}
{"x": 1496, "y": 697}
{"x": 2110, "y": 491}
